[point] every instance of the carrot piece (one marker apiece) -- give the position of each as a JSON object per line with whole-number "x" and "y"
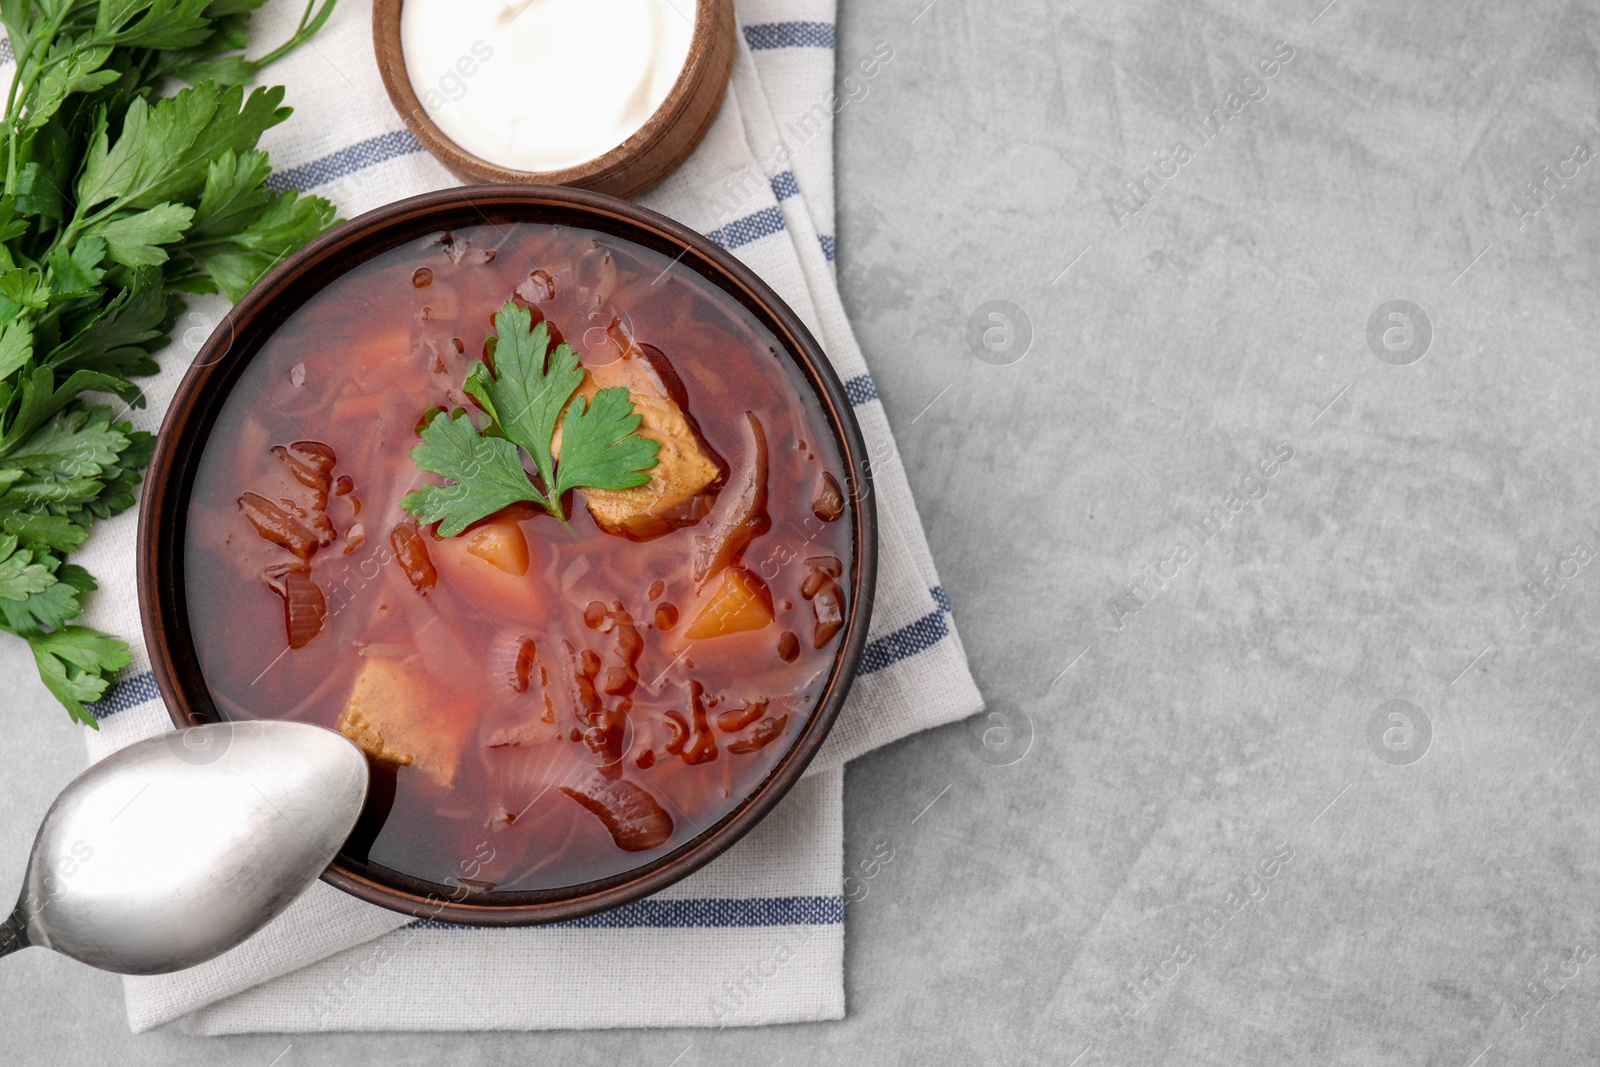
{"x": 741, "y": 603}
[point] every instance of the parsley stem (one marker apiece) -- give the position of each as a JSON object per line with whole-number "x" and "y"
{"x": 309, "y": 24}
{"x": 553, "y": 506}
{"x": 25, "y": 84}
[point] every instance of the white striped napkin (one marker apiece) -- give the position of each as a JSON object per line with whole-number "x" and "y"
{"x": 757, "y": 936}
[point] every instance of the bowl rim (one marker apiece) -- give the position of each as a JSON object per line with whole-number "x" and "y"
{"x": 283, "y": 290}
{"x": 641, "y": 161}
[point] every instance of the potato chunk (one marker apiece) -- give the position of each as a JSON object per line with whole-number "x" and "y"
{"x": 687, "y": 472}
{"x": 395, "y": 714}
{"x": 500, "y": 543}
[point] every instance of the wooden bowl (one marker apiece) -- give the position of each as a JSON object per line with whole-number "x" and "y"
{"x": 217, "y": 368}
{"x": 635, "y": 165}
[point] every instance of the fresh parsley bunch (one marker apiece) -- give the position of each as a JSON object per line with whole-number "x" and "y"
{"x": 116, "y": 200}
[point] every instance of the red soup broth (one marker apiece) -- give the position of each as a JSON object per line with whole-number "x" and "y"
{"x": 567, "y": 718}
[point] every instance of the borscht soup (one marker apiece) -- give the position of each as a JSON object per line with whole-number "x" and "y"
{"x": 545, "y": 524}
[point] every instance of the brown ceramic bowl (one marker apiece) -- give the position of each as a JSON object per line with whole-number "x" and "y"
{"x": 162, "y": 595}
{"x": 627, "y": 170}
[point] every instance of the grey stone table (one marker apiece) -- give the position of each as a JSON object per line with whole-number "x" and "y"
{"x": 1284, "y": 592}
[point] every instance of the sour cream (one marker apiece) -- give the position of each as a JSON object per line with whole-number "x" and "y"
{"x": 543, "y": 84}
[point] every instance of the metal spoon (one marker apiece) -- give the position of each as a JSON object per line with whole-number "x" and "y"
{"x": 177, "y": 848}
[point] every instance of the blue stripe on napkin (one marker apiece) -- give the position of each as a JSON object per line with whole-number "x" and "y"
{"x": 861, "y": 390}
{"x": 346, "y": 161}
{"x": 783, "y": 187}
{"x": 769, "y": 35}
{"x": 718, "y": 912}
{"x": 739, "y": 232}
{"x": 125, "y": 693}
{"x": 905, "y": 642}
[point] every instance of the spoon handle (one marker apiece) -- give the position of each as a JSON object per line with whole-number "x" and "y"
{"x": 13, "y": 933}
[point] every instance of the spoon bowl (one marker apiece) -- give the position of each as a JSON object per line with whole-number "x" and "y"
{"x": 177, "y": 848}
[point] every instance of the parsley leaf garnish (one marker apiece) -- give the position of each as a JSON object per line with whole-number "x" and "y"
{"x": 487, "y": 473}
{"x": 599, "y": 447}
{"x": 530, "y": 387}
{"x": 523, "y": 398}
